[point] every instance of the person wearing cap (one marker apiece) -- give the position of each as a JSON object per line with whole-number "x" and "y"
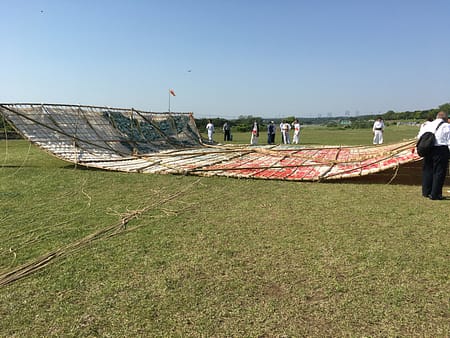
{"x": 271, "y": 133}
{"x": 435, "y": 165}
{"x": 378, "y": 129}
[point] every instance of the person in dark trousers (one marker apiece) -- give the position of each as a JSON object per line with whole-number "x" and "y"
{"x": 435, "y": 165}
{"x": 226, "y": 131}
{"x": 271, "y": 133}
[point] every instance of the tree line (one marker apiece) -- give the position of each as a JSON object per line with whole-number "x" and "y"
{"x": 244, "y": 123}
{"x": 416, "y": 115}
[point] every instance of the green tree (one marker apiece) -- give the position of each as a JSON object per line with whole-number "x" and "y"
{"x": 420, "y": 114}
{"x": 445, "y": 107}
{"x": 390, "y": 115}
{"x": 289, "y": 119}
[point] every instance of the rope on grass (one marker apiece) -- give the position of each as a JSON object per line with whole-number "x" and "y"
{"x": 395, "y": 174}
{"x": 110, "y": 231}
{"x": 86, "y": 194}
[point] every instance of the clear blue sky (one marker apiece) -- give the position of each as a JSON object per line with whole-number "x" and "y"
{"x": 247, "y": 57}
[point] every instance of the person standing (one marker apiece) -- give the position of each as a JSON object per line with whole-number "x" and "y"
{"x": 281, "y": 131}
{"x": 271, "y": 133}
{"x": 226, "y": 131}
{"x": 378, "y": 129}
{"x": 210, "y": 129}
{"x": 285, "y": 127}
{"x": 296, "y": 126}
{"x": 255, "y": 134}
{"x": 435, "y": 164}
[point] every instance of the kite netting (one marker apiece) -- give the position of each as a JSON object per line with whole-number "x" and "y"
{"x": 86, "y": 133}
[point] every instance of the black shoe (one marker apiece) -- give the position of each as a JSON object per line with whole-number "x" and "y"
{"x": 437, "y": 198}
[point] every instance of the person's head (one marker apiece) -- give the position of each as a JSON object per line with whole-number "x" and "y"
{"x": 442, "y": 115}
{"x": 272, "y": 122}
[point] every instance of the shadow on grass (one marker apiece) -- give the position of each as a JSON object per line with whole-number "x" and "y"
{"x": 81, "y": 167}
{"x": 16, "y": 166}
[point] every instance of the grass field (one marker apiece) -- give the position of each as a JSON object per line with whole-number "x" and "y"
{"x": 220, "y": 257}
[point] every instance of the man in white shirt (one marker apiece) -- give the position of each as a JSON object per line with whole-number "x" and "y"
{"x": 285, "y": 127}
{"x": 296, "y": 126}
{"x": 435, "y": 165}
{"x": 226, "y": 131}
{"x": 281, "y": 131}
{"x": 255, "y": 134}
{"x": 210, "y": 129}
{"x": 378, "y": 129}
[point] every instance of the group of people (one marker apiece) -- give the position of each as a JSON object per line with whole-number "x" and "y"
{"x": 435, "y": 164}
{"x": 285, "y": 129}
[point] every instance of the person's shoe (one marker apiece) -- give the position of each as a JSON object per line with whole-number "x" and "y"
{"x": 437, "y": 198}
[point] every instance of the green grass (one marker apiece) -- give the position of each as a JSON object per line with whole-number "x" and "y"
{"x": 244, "y": 258}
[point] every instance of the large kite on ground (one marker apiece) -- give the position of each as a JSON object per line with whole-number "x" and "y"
{"x": 131, "y": 140}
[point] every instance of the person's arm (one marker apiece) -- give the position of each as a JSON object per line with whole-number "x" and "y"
{"x": 447, "y": 134}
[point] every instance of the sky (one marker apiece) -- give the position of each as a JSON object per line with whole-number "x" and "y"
{"x": 225, "y": 58}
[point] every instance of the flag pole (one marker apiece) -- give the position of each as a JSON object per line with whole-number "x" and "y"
{"x": 169, "y": 100}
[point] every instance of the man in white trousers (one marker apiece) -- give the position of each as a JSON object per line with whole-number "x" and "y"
{"x": 210, "y": 129}
{"x": 296, "y": 137}
{"x": 378, "y": 129}
{"x": 255, "y": 134}
{"x": 285, "y": 127}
